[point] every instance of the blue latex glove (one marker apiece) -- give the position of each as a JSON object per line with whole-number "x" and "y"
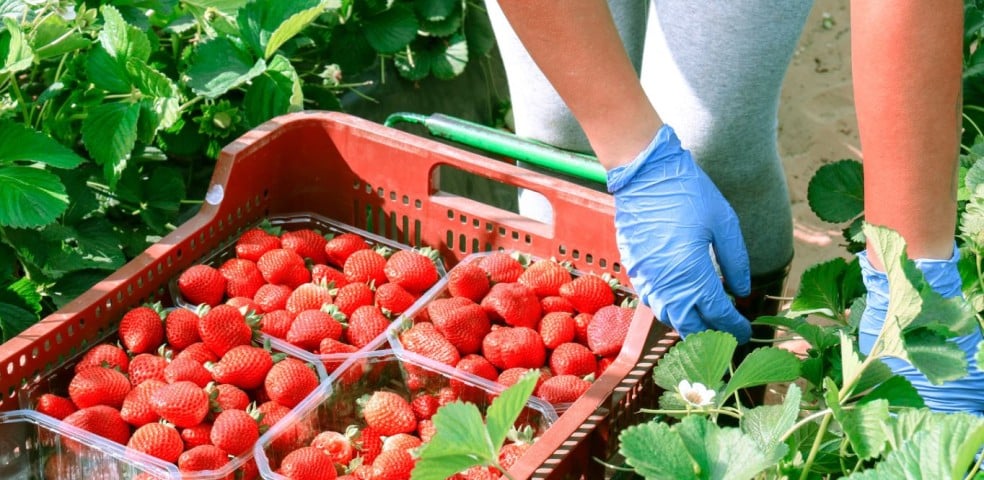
{"x": 962, "y": 395}
{"x": 667, "y": 214}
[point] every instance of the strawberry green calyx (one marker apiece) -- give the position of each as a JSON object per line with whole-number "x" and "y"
{"x": 431, "y": 253}
{"x": 523, "y": 259}
{"x": 157, "y": 307}
{"x": 332, "y": 309}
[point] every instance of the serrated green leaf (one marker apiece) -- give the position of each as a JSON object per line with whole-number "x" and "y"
{"x": 162, "y": 99}
{"x": 392, "y": 30}
{"x": 763, "y": 366}
{"x": 31, "y": 197}
{"x": 820, "y": 338}
{"x": 434, "y": 9}
{"x": 935, "y": 357}
{"x": 722, "y": 453}
{"x": 451, "y": 61}
{"x": 413, "y": 66}
{"x": 221, "y": 65}
{"x": 121, "y": 40}
{"x": 836, "y": 191}
{"x": 460, "y": 435}
{"x": 291, "y": 27}
{"x": 105, "y": 72}
{"x": 91, "y": 244}
{"x": 14, "y": 320}
{"x": 875, "y": 374}
{"x": 974, "y": 175}
{"x": 82, "y": 199}
{"x": 505, "y": 408}
{"x": 19, "y": 143}
{"x": 972, "y": 220}
{"x": 820, "y": 290}
{"x": 654, "y": 451}
{"x": 109, "y": 132}
{"x": 703, "y": 358}
{"x": 445, "y": 26}
{"x": 864, "y": 427}
{"x": 23, "y": 293}
{"x": 478, "y": 31}
{"x": 54, "y": 37}
{"x": 159, "y": 192}
{"x": 897, "y": 391}
{"x": 854, "y": 234}
{"x": 768, "y": 423}
{"x": 227, "y": 7}
{"x": 73, "y": 284}
{"x": 265, "y": 26}
{"x": 276, "y": 92}
{"x": 14, "y": 48}
{"x": 852, "y": 367}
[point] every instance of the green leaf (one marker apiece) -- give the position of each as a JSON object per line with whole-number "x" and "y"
{"x": 703, "y": 357}
{"x": 980, "y": 356}
{"x": 655, "y": 451}
{"x": 413, "y": 66}
{"x": 836, "y": 191}
{"x": 820, "y": 290}
{"x": 227, "y": 7}
{"x": 276, "y": 92}
{"x": 23, "y": 293}
{"x": 158, "y": 192}
{"x": 478, "y": 30}
{"x": 91, "y": 244}
{"x": 897, "y": 391}
{"x": 768, "y": 423}
{"x": 820, "y": 338}
{"x": 505, "y": 409}
{"x": 291, "y": 27}
{"x": 723, "y": 453}
{"x": 864, "y": 426}
{"x": 73, "y": 284}
{"x": 972, "y": 220}
{"x": 451, "y": 61}
{"x": 975, "y": 175}
{"x": 82, "y": 199}
{"x": 443, "y": 27}
{"x": 19, "y": 143}
{"x": 927, "y": 350}
{"x": 460, "y": 436}
{"x": 105, "y": 72}
{"x": 55, "y": 37}
{"x": 221, "y": 65}
{"x": 161, "y": 99}
{"x": 109, "y": 132}
{"x": 434, "y": 9}
{"x": 14, "y": 320}
{"x": 763, "y": 366}
{"x": 265, "y": 26}
{"x": 392, "y": 30}
{"x": 30, "y": 197}
{"x": 16, "y": 52}
{"x": 119, "y": 39}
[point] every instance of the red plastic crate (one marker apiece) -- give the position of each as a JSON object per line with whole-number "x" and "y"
{"x": 386, "y": 181}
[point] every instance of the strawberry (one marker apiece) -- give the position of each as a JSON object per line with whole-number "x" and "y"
{"x": 104, "y": 355}
{"x": 181, "y": 328}
{"x": 307, "y": 463}
{"x": 243, "y": 277}
{"x": 365, "y": 324}
{"x": 508, "y": 347}
{"x": 352, "y": 296}
{"x": 608, "y": 328}
{"x": 235, "y": 431}
{"x": 202, "y": 457}
{"x": 249, "y": 470}
{"x": 184, "y": 404}
{"x": 272, "y": 297}
{"x": 307, "y": 243}
{"x": 424, "y": 339}
{"x": 393, "y": 298}
{"x": 198, "y": 352}
{"x": 426, "y": 430}
{"x": 62, "y": 465}
{"x": 562, "y": 388}
{"x": 157, "y": 440}
{"x": 556, "y": 303}
{"x": 330, "y": 346}
{"x": 187, "y": 369}
{"x": 99, "y": 386}
{"x": 253, "y": 243}
{"x": 511, "y": 452}
{"x": 512, "y": 303}
{"x": 309, "y": 296}
{"x": 545, "y": 277}
{"x": 197, "y": 435}
{"x": 414, "y": 270}
{"x": 392, "y": 465}
{"x": 244, "y": 366}
{"x": 272, "y": 413}
{"x": 460, "y": 320}
{"x": 341, "y": 246}
{"x": 146, "y": 366}
{"x": 289, "y": 381}
{"x": 478, "y": 472}
{"x": 603, "y": 365}
{"x": 202, "y": 284}
{"x": 137, "y": 409}
{"x": 310, "y": 327}
{"x": 581, "y": 322}
{"x": 510, "y": 376}
{"x": 389, "y": 413}
{"x": 101, "y": 420}
{"x": 225, "y": 396}
{"x": 588, "y": 293}
{"x": 276, "y": 323}
{"x": 327, "y": 275}
{"x": 573, "y": 359}
{"x": 501, "y": 267}
{"x": 468, "y": 280}
{"x": 283, "y": 267}
{"x": 142, "y": 329}
{"x": 424, "y": 406}
{"x": 223, "y": 327}
{"x": 338, "y": 446}
{"x": 367, "y": 265}
{"x": 54, "y": 406}
{"x": 557, "y": 328}
{"x": 245, "y": 304}
{"x": 478, "y": 366}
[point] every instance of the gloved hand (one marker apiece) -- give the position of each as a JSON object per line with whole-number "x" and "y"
{"x": 962, "y": 395}
{"x": 667, "y": 214}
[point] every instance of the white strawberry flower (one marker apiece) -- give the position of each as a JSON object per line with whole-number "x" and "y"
{"x": 696, "y": 395}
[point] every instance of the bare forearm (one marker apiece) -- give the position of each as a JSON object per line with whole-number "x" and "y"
{"x": 577, "y": 47}
{"x": 907, "y": 82}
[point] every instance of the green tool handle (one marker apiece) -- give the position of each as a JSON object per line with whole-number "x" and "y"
{"x": 504, "y": 143}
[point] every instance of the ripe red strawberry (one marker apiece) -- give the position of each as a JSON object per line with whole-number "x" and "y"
{"x": 424, "y": 339}
{"x": 276, "y": 323}
{"x": 426, "y": 430}
{"x": 307, "y": 463}
{"x": 501, "y": 267}
{"x": 556, "y": 303}
{"x": 512, "y": 303}
{"x": 478, "y": 472}
{"x": 562, "y": 388}
{"x": 581, "y": 322}
{"x": 202, "y": 284}
{"x": 184, "y": 404}
{"x": 367, "y": 265}
{"x": 289, "y": 381}
{"x": 588, "y": 293}
{"x": 573, "y": 359}
{"x": 365, "y": 324}
{"x": 508, "y": 347}
{"x": 463, "y": 322}
{"x": 181, "y": 328}
{"x": 198, "y": 352}
{"x": 245, "y": 304}
{"x": 101, "y": 420}
{"x": 197, "y": 435}
{"x": 283, "y": 267}
{"x": 341, "y": 246}
{"x": 225, "y": 396}
{"x": 253, "y": 243}
{"x": 468, "y": 280}
{"x": 545, "y": 277}
{"x": 510, "y": 376}
{"x": 99, "y": 386}
{"x": 104, "y": 355}
{"x": 370, "y": 444}
{"x": 157, "y": 440}
{"x": 603, "y": 365}
{"x": 187, "y": 369}
{"x": 224, "y": 327}
{"x": 298, "y": 433}
{"x": 475, "y": 365}
{"x": 54, "y": 406}
{"x": 272, "y": 297}
{"x": 393, "y": 298}
{"x": 336, "y": 349}
{"x": 202, "y": 457}
{"x": 307, "y": 243}
{"x": 309, "y": 296}
{"x": 243, "y": 277}
{"x": 424, "y": 406}
{"x": 389, "y": 413}
{"x": 137, "y": 409}
{"x": 327, "y": 275}
{"x": 557, "y": 328}
{"x": 146, "y": 366}
{"x": 608, "y": 328}
{"x": 392, "y": 465}
{"x": 142, "y": 329}
{"x": 244, "y": 366}
{"x": 235, "y": 431}
{"x": 310, "y": 327}
{"x": 414, "y": 270}
{"x": 352, "y": 296}
{"x": 338, "y": 446}
{"x": 511, "y": 452}
{"x": 249, "y": 470}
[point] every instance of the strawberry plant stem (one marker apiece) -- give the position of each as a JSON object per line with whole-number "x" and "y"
{"x": 976, "y": 468}
{"x": 816, "y": 445}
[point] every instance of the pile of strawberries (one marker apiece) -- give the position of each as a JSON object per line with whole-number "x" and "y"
{"x": 503, "y": 314}
{"x": 188, "y": 387}
{"x": 327, "y": 294}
